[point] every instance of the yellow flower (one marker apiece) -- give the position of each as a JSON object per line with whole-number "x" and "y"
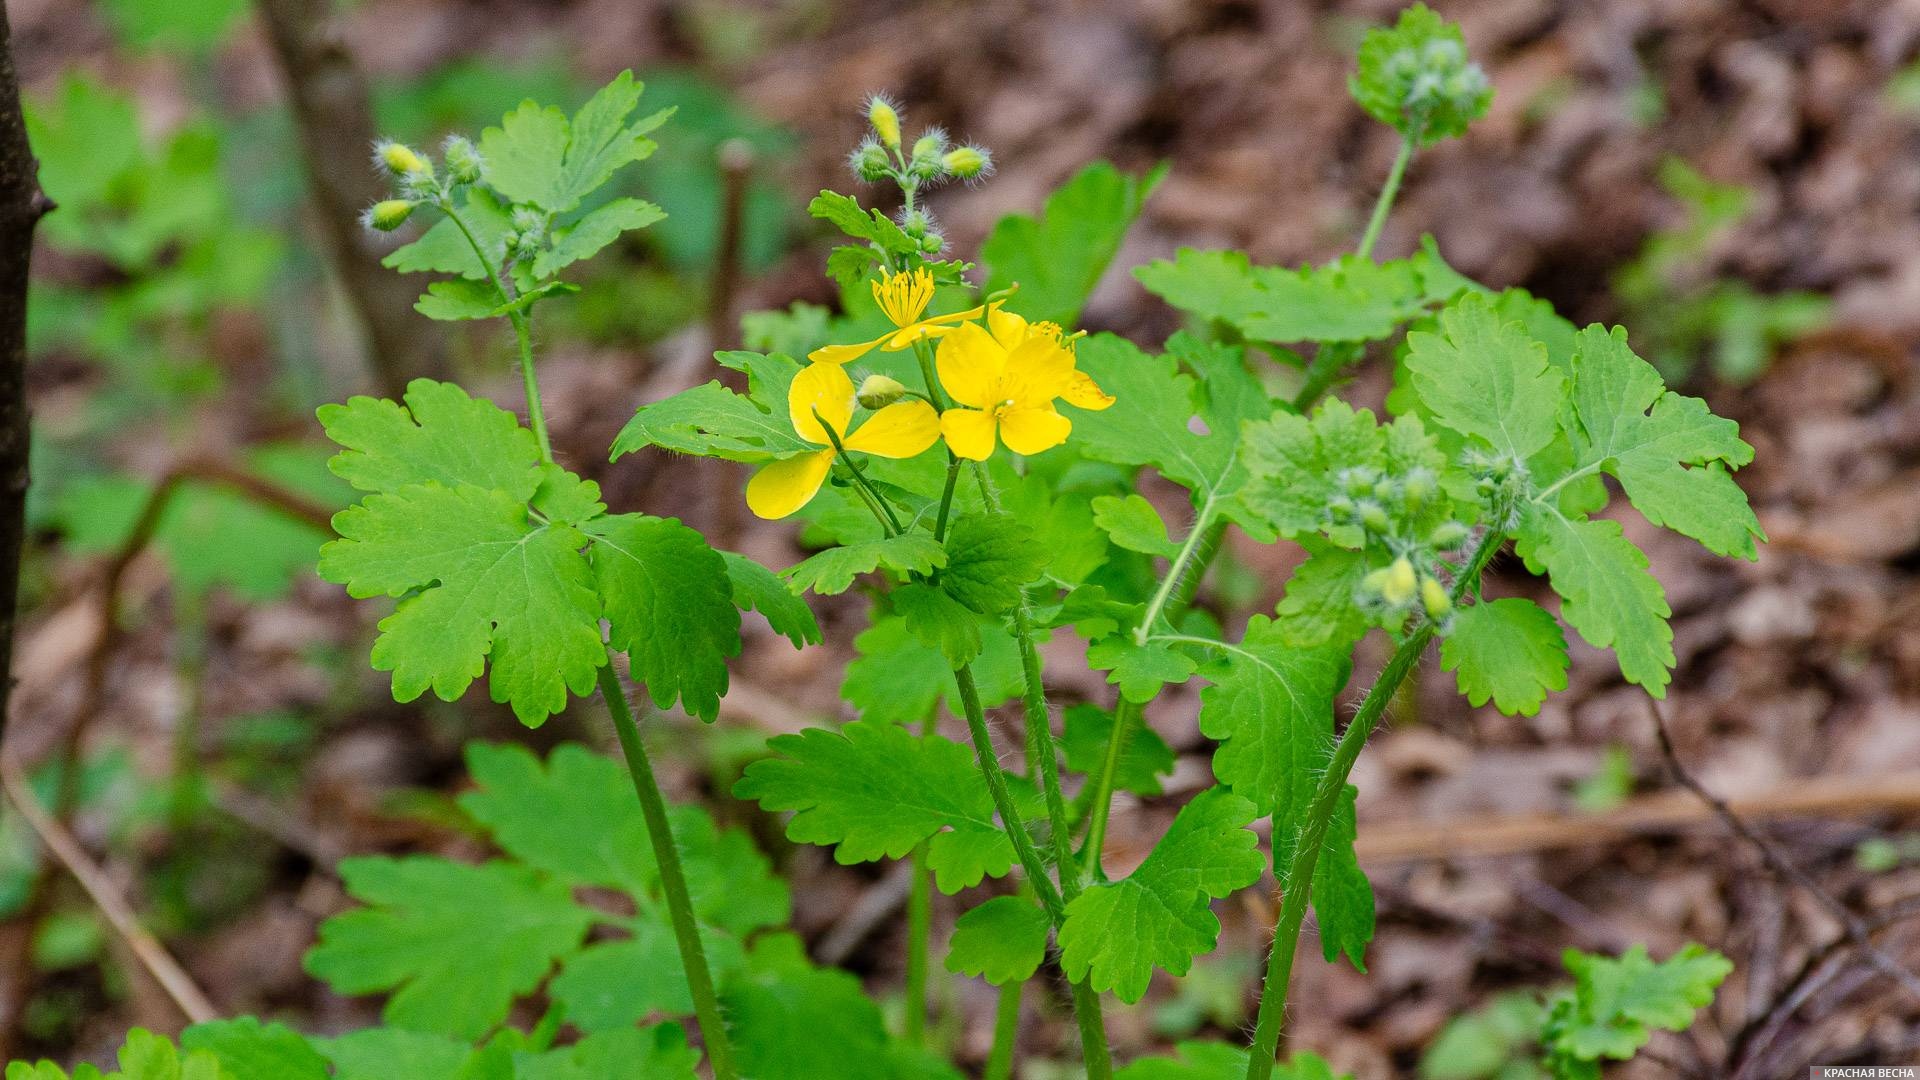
{"x": 1004, "y": 378}
{"x": 902, "y": 297}
{"x": 822, "y": 396}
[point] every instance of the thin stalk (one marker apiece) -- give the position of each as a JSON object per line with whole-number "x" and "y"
{"x": 522, "y": 331}
{"x": 1006, "y": 1032}
{"x": 1298, "y": 882}
{"x": 919, "y": 929}
{"x": 1329, "y": 363}
{"x": 859, "y": 478}
{"x": 1384, "y": 203}
{"x": 1086, "y": 1003}
{"x": 673, "y": 880}
{"x": 1124, "y": 715}
{"x": 1175, "y": 571}
{"x": 946, "y": 497}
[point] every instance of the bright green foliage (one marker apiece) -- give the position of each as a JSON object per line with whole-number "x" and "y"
{"x": 1271, "y": 709}
{"x": 251, "y": 1050}
{"x": 1152, "y": 428}
{"x": 1617, "y": 1003}
{"x": 1342, "y": 896}
{"x": 1058, "y": 259}
{"x": 191, "y": 25}
{"x": 939, "y": 620}
{"x": 833, "y": 570}
{"x": 877, "y": 791}
{"x": 1001, "y": 941}
{"x": 1140, "y": 670}
{"x": 1215, "y": 1061}
{"x": 1322, "y": 601}
{"x": 457, "y": 943}
{"x": 1144, "y": 758}
{"x": 713, "y": 421}
{"x": 899, "y": 678}
{"x": 1499, "y": 1041}
{"x": 1134, "y": 524}
{"x": 536, "y": 156}
{"x": 1606, "y": 592}
{"x": 503, "y": 561}
{"x": 756, "y": 588}
{"x": 1117, "y": 932}
{"x": 145, "y": 1056}
{"x": 990, "y": 558}
{"x": 1486, "y": 377}
{"x": 1351, "y": 299}
{"x": 1416, "y": 78}
{"x": 461, "y": 942}
{"x": 1510, "y": 651}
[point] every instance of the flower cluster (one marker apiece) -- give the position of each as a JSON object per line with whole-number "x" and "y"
{"x": 1002, "y": 373}
{"x": 416, "y": 181}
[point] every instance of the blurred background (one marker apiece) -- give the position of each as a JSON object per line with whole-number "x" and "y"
{"x": 1737, "y": 182}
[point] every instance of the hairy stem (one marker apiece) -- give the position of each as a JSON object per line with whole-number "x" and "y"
{"x": 1086, "y": 1004}
{"x": 1179, "y": 568}
{"x": 1298, "y": 881}
{"x": 919, "y": 930}
{"x": 1124, "y": 715}
{"x": 522, "y": 330}
{"x": 673, "y": 879}
{"x": 1039, "y": 722}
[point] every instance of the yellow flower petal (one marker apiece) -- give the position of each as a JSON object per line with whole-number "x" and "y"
{"x": 1029, "y": 431}
{"x": 1037, "y": 371}
{"x": 969, "y": 433}
{"x": 842, "y": 354}
{"x": 823, "y": 389}
{"x": 970, "y": 363}
{"x": 1082, "y": 392}
{"x": 781, "y": 487}
{"x": 900, "y": 430}
{"x": 1008, "y": 329}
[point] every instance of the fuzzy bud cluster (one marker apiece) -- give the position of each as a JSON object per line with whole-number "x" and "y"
{"x": 416, "y": 181}
{"x": 931, "y": 159}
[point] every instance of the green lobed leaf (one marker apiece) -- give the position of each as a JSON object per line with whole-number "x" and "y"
{"x": 594, "y": 230}
{"x": 668, "y": 603}
{"x": 877, "y": 791}
{"x": 1134, "y": 524}
{"x": 1616, "y": 1003}
{"x": 991, "y": 558}
{"x": 1510, "y": 651}
{"x": 459, "y": 298}
{"x": 1293, "y": 463}
{"x": 1117, "y": 933}
{"x": 538, "y": 156}
{"x": 939, "y": 620}
{"x": 1058, "y": 259}
{"x": 1485, "y": 377}
{"x": 1319, "y": 606}
{"x": 455, "y": 943}
{"x": 445, "y": 249}
{"x": 1342, "y": 896}
{"x": 1350, "y": 299}
{"x": 1150, "y": 422}
{"x": 899, "y": 679}
{"x": 756, "y": 588}
{"x": 1415, "y": 77}
{"x": 439, "y": 434}
{"x": 1606, "y": 592}
{"x": 1670, "y": 453}
{"x": 1140, "y": 670}
{"x": 1270, "y": 706}
{"x": 1218, "y": 1061}
{"x": 1001, "y": 941}
{"x": 846, "y": 214}
{"x": 832, "y": 571}
{"x": 713, "y": 421}
{"x": 1144, "y": 757}
{"x": 250, "y": 1050}
{"x": 792, "y": 1021}
{"x": 656, "y": 1053}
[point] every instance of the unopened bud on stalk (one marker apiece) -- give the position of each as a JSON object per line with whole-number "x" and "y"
{"x": 879, "y": 391}
{"x": 1400, "y": 582}
{"x": 967, "y": 162}
{"x": 402, "y": 160}
{"x": 1433, "y": 597}
{"x": 869, "y": 161}
{"x": 463, "y": 159}
{"x": 387, "y": 215}
{"x": 885, "y": 120}
{"x": 1448, "y": 535}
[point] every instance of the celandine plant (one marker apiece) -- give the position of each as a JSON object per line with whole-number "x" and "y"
{"x": 974, "y": 465}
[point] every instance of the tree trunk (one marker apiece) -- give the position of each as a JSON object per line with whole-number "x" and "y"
{"x": 334, "y": 114}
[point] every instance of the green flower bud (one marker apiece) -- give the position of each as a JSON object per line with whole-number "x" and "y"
{"x": 402, "y": 160}
{"x": 885, "y": 120}
{"x": 387, "y": 215}
{"x": 879, "y": 391}
{"x": 932, "y": 243}
{"x": 1448, "y": 535}
{"x": 1434, "y": 598}
{"x": 916, "y": 223}
{"x": 463, "y": 159}
{"x": 967, "y": 162}
{"x": 1341, "y": 509}
{"x": 1418, "y": 487}
{"x": 1374, "y": 516}
{"x": 933, "y": 144}
{"x": 869, "y": 161}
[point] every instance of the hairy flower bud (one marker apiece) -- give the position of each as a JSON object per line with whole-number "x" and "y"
{"x": 933, "y": 243}
{"x": 967, "y": 162}
{"x": 387, "y": 215}
{"x": 885, "y": 120}
{"x": 1399, "y": 583}
{"x": 1374, "y": 516}
{"x": 463, "y": 159}
{"x": 402, "y": 160}
{"x": 1434, "y": 598}
{"x": 1448, "y": 535}
{"x": 869, "y": 161}
{"x": 879, "y": 391}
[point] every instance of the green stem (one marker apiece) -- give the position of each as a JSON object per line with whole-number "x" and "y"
{"x": 522, "y": 331}
{"x": 1175, "y": 571}
{"x": 1124, "y": 714}
{"x": 1039, "y": 722}
{"x": 1330, "y": 361}
{"x": 1189, "y": 586}
{"x": 1384, "y": 203}
{"x": 1298, "y": 881}
{"x": 946, "y": 497}
{"x": 919, "y": 929}
{"x": 673, "y": 880}
{"x": 859, "y": 478}
{"x": 1086, "y": 1004}
{"x": 1006, "y": 1032}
